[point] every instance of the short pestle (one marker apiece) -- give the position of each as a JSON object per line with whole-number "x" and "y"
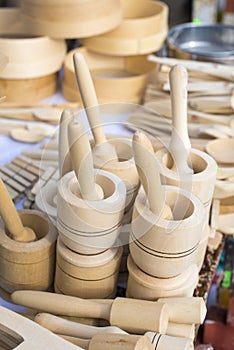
{"x": 102, "y": 149}
{"x": 65, "y": 164}
{"x": 179, "y": 144}
{"x": 132, "y": 315}
{"x": 148, "y": 170}
{"x": 82, "y": 161}
{"x": 12, "y": 219}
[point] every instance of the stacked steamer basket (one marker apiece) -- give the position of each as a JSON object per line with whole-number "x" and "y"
{"x": 34, "y": 62}
{"x": 27, "y": 247}
{"x": 90, "y": 206}
{"x": 118, "y": 59}
{"x": 204, "y": 168}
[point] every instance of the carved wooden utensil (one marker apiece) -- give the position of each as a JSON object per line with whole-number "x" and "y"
{"x": 102, "y": 149}
{"x": 132, "y": 315}
{"x": 11, "y": 218}
{"x": 148, "y": 171}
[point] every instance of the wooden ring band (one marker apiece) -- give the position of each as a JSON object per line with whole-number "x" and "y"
{"x": 144, "y": 286}
{"x": 142, "y": 31}
{"x": 116, "y": 79}
{"x": 71, "y": 19}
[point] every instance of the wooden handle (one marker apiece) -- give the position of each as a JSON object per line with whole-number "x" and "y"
{"x": 73, "y": 329}
{"x": 82, "y": 161}
{"x": 61, "y": 304}
{"x": 89, "y": 97}
{"x": 65, "y": 163}
{"x": 148, "y": 171}
{"x": 118, "y": 342}
{"x": 180, "y": 144}
{"x": 11, "y": 218}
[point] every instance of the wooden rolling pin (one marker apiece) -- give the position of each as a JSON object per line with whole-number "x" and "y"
{"x": 12, "y": 219}
{"x": 82, "y": 161}
{"x": 102, "y": 149}
{"x": 148, "y": 171}
{"x": 180, "y": 145}
{"x": 131, "y": 315}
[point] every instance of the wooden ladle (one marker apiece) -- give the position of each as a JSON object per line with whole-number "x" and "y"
{"x": 148, "y": 170}
{"x": 12, "y": 219}
{"x": 103, "y": 149}
{"x": 222, "y": 150}
{"x": 82, "y": 161}
{"x": 180, "y": 145}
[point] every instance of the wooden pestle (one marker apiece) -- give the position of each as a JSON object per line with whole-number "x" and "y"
{"x": 65, "y": 164}
{"x": 148, "y": 170}
{"x": 60, "y": 325}
{"x": 82, "y": 161}
{"x": 179, "y": 144}
{"x": 12, "y": 219}
{"x": 102, "y": 149}
{"x": 131, "y": 315}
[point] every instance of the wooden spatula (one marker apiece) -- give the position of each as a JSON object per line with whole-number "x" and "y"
{"x": 103, "y": 149}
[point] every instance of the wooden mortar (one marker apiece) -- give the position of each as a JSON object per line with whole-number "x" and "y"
{"x": 90, "y": 227}
{"x": 143, "y": 286}
{"x": 87, "y": 276}
{"x": 28, "y": 265}
{"x": 174, "y": 242}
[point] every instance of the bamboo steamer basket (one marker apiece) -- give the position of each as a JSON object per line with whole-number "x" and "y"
{"x": 70, "y": 18}
{"x": 31, "y": 74}
{"x": 28, "y": 265}
{"x": 125, "y": 169}
{"x": 165, "y": 248}
{"x": 142, "y": 31}
{"x": 92, "y": 276}
{"x": 201, "y": 182}
{"x": 143, "y": 286}
{"x": 90, "y": 227}
{"x": 116, "y": 79}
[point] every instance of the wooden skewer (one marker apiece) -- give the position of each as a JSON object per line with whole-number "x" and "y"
{"x": 12, "y": 219}
{"x": 180, "y": 144}
{"x": 82, "y": 161}
{"x": 131, "y": 315}
{"x": 148, "y": 171}
{"x": 103, "y": 149}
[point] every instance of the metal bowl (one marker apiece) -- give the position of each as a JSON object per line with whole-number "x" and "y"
{"x": 207, "y": 42}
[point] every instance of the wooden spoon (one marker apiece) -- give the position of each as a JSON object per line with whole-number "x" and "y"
{"x": 103, "y": 149}
{"x": 12, "y": 219}
{"x": 226, "y": 223}
{"x": 222, "y": 150}
{"x": 180, "y": 144}
{"x": 82, "y": 161}
{"x": 148, "y": 170}
{"x": 25, "y": 135}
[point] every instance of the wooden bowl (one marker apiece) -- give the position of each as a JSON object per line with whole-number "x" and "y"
{"x": 87, "y": 276}
{"x": 28, "y": 265}
{"x": 90, "y": 227}
{"x": 70, "y": 18}
{"x": 165, "y": 248}
{"x": 116, "y": 79}
{"x": 143, "y": 286}
{"x": 142, "y": 31}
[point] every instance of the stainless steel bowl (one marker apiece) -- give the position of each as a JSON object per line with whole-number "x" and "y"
{"x": 206, "y": 42}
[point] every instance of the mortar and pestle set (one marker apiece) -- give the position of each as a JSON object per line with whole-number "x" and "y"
{"x": 90, "y": 206}
{"x": 169, "y": 229}
{"x": 27, "y": 247}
